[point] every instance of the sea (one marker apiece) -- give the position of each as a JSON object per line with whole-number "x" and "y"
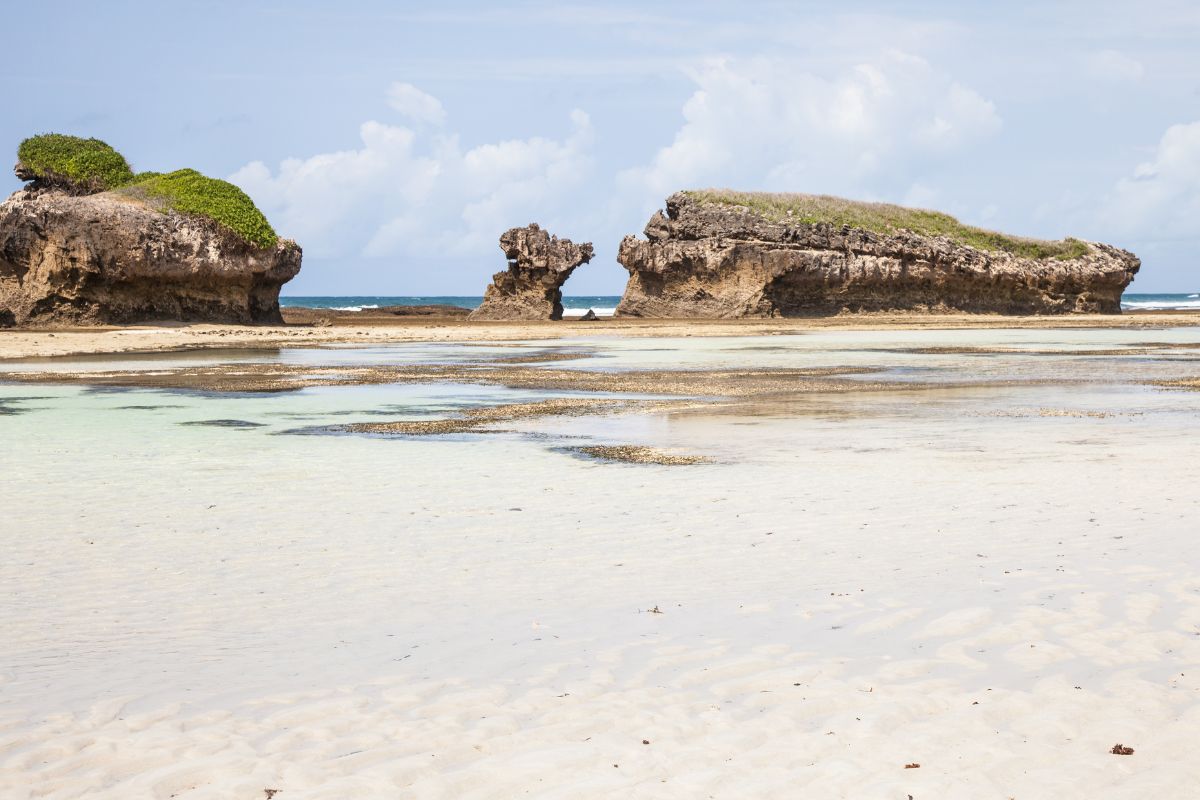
{"x": 605, "y": 305}
{"x": 576, "y": 306}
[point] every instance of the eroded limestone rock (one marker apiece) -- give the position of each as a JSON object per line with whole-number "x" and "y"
{"x": 710, "y": 260}
{"x": 68, "y": 259}
{"x": 531, "y": 287}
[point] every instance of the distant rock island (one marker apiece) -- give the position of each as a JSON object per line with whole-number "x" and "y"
{"x": 87, "y": 241}
{"x": 724, "y": 254}
{"x": 531, "y": 287}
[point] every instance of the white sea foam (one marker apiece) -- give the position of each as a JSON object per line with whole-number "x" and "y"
{"x": 579, "y": 312}
{"x": 351, "y": 308}
{"x": 1162, "y": 305}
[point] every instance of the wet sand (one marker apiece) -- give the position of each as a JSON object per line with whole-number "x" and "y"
{"x": 853, "y": 562}
{"x": 351, "y": 328}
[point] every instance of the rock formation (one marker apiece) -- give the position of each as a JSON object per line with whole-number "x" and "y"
{"x": 744, "y": 256}
{"x": 531, "y": 287}
{"x": 71, "y": 255}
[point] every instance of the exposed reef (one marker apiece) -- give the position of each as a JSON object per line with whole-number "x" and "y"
{"x": 724, "y": 254}
{"x": 531, "y": 287}
{"x": 88, "y": 242}
{"x": 370, "y": 317}
{"x": 637, "y": 454}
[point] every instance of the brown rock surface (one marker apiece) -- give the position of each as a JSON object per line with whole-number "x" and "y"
{"x": 709, "y": 260}
{"x": 67, "y": 259}
{"x": 531, "y": 287}
{"x": 384, "y": 315}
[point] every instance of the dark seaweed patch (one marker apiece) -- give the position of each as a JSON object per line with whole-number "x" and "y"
{"x": 224, "y": 423}
{"x": 9, "y": 406}
{"x": 144, "y": 408}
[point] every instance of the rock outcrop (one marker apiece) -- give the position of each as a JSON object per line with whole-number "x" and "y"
{"x": 68, "y": 257}
{"x": 531, "y": 287}
{"x": 705, "y": 259}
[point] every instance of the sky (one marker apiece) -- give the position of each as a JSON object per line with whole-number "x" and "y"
{"x": 396, "y": 141}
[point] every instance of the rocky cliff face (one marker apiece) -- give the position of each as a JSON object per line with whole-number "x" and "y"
{"x": 67, "y": 258}
{"x": 531, "y": 287}
{"x": 710, "y": 260}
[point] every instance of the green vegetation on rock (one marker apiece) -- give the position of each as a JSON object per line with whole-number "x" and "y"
{"x": 886, "y": 219}
{"x": 189, "y": 192}
{"x": 94, "y": 166}
{"x": 89, "y": 163}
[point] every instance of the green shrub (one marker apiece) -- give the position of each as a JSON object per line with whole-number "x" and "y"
{"x": 189, "y": 192}
{"x": 95, "y": 166}
{"x": 88, "y": 163}
{"x": 886, "y": 219}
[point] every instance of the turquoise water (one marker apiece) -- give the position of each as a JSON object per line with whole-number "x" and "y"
{"x": 183, "y": 570}
{"x": 601, "y": 303}
{"x": 604, "y": 304}
{"x": 1186, "y": 300}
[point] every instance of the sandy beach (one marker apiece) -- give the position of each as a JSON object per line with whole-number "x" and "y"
{"x": 366, "y": 328}
{"x": 600, "y": 401}
{"x": 867, "y": 557}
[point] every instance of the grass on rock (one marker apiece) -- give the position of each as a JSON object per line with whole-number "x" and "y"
{"x": 885, "y": 218}
{"x": 90, "y": 163}
{"x": 95, "y": 166}
{"x": 189, "y": 192}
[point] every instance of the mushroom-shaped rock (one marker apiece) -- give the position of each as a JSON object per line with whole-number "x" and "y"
{"x": 89, "y": 242}
{"x": 531, "y": 287}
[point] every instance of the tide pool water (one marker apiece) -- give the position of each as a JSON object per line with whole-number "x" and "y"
{"x": 997, "y": 581}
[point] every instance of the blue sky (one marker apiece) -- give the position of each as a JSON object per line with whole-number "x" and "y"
{"x": 395, "y": 141}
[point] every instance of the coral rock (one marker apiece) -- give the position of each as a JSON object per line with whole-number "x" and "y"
{"x": 531, "y": 287}
{"x": 714, "y": 260}
{"x": 109, "y": 258}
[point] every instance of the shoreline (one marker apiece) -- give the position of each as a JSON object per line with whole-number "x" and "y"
{"x": 360, "y": 328}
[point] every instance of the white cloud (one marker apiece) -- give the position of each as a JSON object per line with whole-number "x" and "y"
{"x": 920, "y": 196}
{"x": 415, "y": 104}
{"x": 765, "y": 123}
{"x": 1162, "y": 197}
{"x": 1113, "y": 65}
{"x": 403, "y": 193}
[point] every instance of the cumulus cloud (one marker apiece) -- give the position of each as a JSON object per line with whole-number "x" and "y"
{"x": 402, "y": 192}
{"x": 415, "y": 104}
{"x": 767, "y": 123}
{"x": 1161, "y": 199}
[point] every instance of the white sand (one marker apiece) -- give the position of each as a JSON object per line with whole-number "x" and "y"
{"x": 149, "y": 338}
{"x": 958, "y": 581}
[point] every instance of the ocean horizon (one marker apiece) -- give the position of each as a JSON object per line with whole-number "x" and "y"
{"x": 605, "y": 305}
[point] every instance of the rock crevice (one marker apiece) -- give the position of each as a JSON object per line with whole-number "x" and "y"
{"x": 712, "y": 260}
